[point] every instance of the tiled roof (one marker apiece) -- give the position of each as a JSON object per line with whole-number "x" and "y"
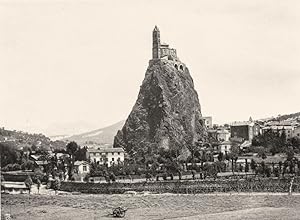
{"x": 78, "y": 163}
{"x": 41, "y": 162}
{"x": 241, "y": 123}
{"x": 35, "y": 157}
{"x": 275, "y": 127}
{"x": 106, "y": 150}
{"x": 226, "y": 142}
{"x": 14, "y": 185}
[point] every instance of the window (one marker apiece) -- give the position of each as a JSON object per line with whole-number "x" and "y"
{"x": 118, "y": 153}
{"x": 112, "y": 153}
{"x": 84, "y": 168}
{"x": 112, "y": 159}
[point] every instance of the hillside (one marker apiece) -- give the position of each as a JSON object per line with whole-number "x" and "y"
{"x": 101, "y": 136}
{"x": 22, "y": 140}
{"x": 289, "y": 117}
{"x": 293, "y": 118}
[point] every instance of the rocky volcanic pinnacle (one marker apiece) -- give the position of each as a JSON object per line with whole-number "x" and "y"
{"x": 167, "y": 112}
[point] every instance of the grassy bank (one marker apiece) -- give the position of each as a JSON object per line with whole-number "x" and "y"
{"x": 153, "y": 207}
{"x": 188, "y": 187}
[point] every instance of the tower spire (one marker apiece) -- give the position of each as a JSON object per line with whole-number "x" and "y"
{"x": 156, "y": 43}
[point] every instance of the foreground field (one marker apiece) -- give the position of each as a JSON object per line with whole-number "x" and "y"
{"x": 162, "y": 206}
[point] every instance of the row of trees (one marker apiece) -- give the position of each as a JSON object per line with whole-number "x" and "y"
{"x": 276, "y": 142}
{"x": 13, "y": 159}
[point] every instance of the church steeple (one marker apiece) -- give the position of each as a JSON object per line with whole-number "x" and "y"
{"x": 156, "y": 43}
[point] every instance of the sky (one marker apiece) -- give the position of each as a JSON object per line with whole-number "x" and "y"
{"x": 71, "y": 66}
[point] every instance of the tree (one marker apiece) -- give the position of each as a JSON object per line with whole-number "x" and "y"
{"x": 203, "y": 158}
{"x": 9, "y": 154}
{"x": 27, "y": 165}
{"x": 295, "y": 143}
{"x": 280, "y": 166}
{"x": 194, "y": 174}
{"x": 56, "y": 185}
{"x": 112, "y": 177}
{"x": 38, "y": 174}
{"x": 220, "y": 166}
{"x": 233, "y": 155}
{"x": 220, "y": 156}
{"x": 263, "y": 168}
{"x": 273, "y": 141}
{"x": 240, "y": 168}
{"x": 253, "y": 164}
{"x": 38, "y": 183}
{"x": 80, "y": 154}
{"x": 290, "y": 153}
{"x": 72, "y": 148}
{"x": 246, "y": 166}
{"x": 283, "y": 136}
{"x": 28, "y": 183}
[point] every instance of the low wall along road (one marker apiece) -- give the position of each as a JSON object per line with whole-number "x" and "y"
{"x": 187, "y": 187}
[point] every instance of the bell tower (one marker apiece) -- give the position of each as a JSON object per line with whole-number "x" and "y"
{"x": 156, "y": 43}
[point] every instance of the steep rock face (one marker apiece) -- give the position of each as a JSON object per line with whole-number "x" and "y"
{"x": 167, "y": 112}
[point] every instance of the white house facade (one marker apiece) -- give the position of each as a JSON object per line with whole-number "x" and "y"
{"x": 109, "y": 156}
{"x": 81, "y": 169}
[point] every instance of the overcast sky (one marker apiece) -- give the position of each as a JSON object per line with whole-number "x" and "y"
{"x": 68, "y": 66}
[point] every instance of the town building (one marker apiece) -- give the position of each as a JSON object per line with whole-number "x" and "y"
{"x": 97, "y": 145}
{"x": 225, "y": 147}
{"x": 223, "y": 135}
{"x": 245, "y": 129}
{"x": 287, "y": 129}
{"x": 39, "y": 161}
{"x": 296, "y": 132}
{"x": 81, "y": 169}
{"x": 212, "y": 133}
{"x": 109, "y": 156}
{"x": 245, "y": 145}
{"x": 208, "y": 122}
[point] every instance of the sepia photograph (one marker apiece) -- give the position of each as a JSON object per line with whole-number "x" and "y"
{"x": 150, "y": 110}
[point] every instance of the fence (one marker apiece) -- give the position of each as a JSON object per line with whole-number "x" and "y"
{"x": 187, "y": 187}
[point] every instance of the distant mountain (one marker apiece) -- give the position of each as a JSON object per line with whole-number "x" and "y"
{"x": 101, "y": 136}
{"x": 60, "y": 130}
{"x": 59, "y": 137}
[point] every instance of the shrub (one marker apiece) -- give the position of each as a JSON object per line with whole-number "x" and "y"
{"x": 56, "y": 185}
